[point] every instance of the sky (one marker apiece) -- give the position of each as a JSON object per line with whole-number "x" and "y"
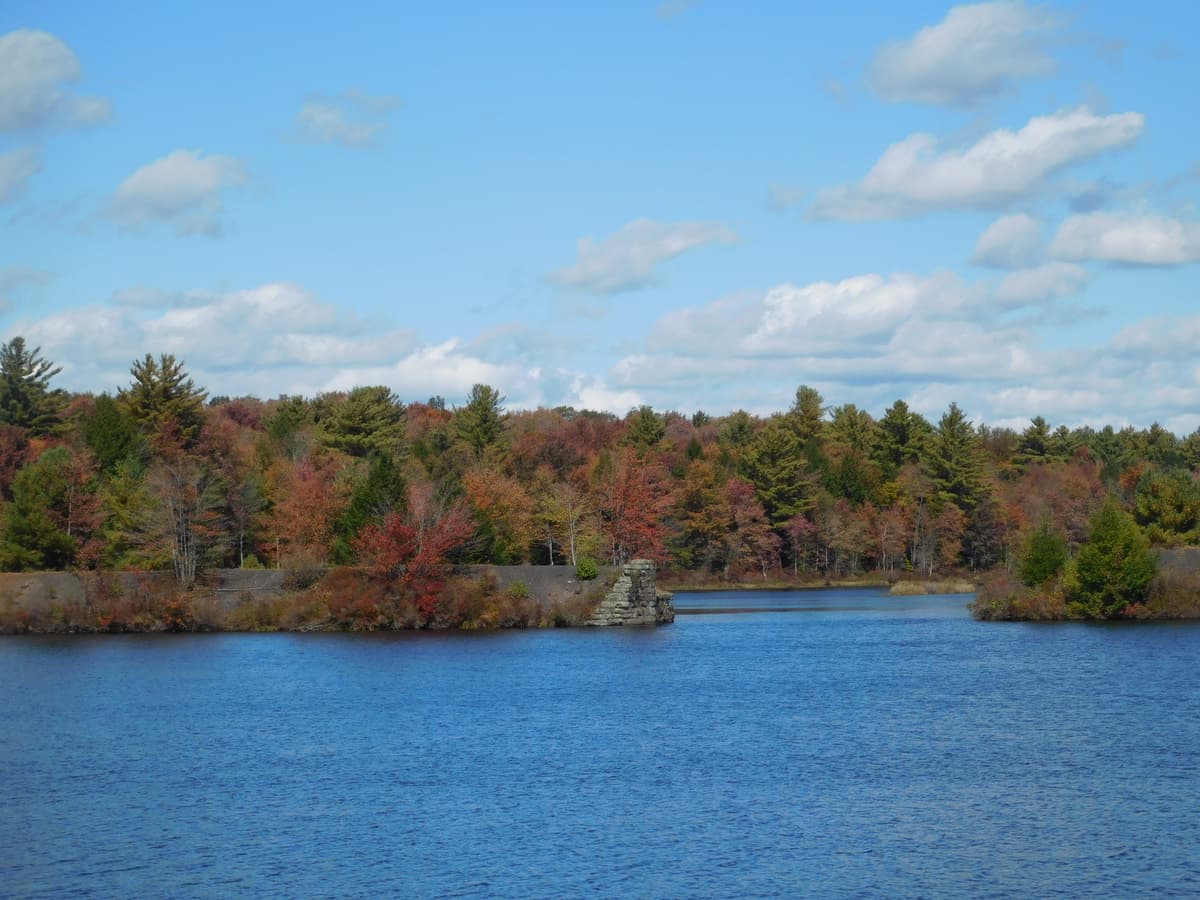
{"x": 692, "y": 205}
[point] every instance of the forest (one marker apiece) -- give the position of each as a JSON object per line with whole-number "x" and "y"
{"x": 1055, "y": 522}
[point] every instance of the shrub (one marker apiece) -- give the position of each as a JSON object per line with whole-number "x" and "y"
{"x": 252, "y": 562}
{"x": 587, "y": 569}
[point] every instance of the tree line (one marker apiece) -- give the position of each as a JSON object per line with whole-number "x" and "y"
{"x": 162, "y": 475}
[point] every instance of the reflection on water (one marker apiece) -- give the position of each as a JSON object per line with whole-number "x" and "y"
{"x": 822, "y": 743}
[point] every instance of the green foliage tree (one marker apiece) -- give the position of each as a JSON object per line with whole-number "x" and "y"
{"x": 738, "y": 429}
{"x": 291, "y": 426}
{"x": 26, "y": 399}
{"x": 369, "y": 420}
{"x": 1044, "y": 556}
{"x": 902, "y": 435}
{"x": 37, "y": 527}
{"x": 953, "y": 459}
{"x": 110, "y": 434}
{"x": 806, "y": 414}
{"x": 480, "y": 424}
{"x": 1114, "y": 568}
{"x": 163, "y": 401}
{"x": 775, "y": 465}
{"x": 646, "y": 428}
{"x": 1167, "y": 505}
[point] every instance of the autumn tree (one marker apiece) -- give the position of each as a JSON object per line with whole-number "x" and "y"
{"x": 503, "y": 515}
{"x": 411, "y": 548}
{"x": 26, "y": 400}
{"x": 704, "y": 517}
{"x": 378, "y": 487}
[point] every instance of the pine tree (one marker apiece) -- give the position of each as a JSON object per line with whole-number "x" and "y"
{"x": 480, "y": 424}
{"x": 954, "y": 460}
{"x": 26, "y": 400}
{"x": 163, "y": 401}
{"x": 1114, "y": 567}
{"x": 774, "y": 463}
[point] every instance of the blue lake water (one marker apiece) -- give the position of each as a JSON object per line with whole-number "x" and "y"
{"x": 828, "y": 743}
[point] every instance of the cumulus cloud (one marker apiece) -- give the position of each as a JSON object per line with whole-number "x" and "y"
{"x": 918, "y": 175}
{"x": 183, "y": 189}
{"x": 16, "y": 168}
{"x": 1030, "y": 287}
{"x": 626, "y": 260}
{"x": 1128, "y": 239}
{"x": 352, "y": 119}
{"x": 280, "y": 338}
{"x": 1011, "y": 242}
{"x": 34, "y": 66}
{"x": 977, "y": 51}
{"x": 927, "y": 339}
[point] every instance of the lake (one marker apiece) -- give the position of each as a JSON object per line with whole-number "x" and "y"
{"x": 827, "y": 743}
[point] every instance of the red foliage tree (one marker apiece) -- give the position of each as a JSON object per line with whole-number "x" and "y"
{"x": 412, "y": 548}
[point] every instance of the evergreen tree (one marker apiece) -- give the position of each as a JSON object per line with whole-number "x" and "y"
{"x": 1044, "y": 556}
{"x": 953, "y": 458}
{"x": 163, "y": 401}
{"x": 1114, "y": 567}
{"x": 774, "y": 463}
{"x": 369, "y": 420}
{"x": 1167, "y": 505}
{"x": 37, "y": 527}
{"x": 110, "y": 434}
{"x": 26, "y": 400}
{"x": 902, "y": 435}
{"x": 480, "y": 424}
{"x": 646, "y": 428}
{"x": 807, "y": 411}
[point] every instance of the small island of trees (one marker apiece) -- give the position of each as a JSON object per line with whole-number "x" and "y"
{"x": 1055, "y": 522}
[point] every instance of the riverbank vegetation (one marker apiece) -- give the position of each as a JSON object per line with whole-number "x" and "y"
{"x": 161, "y": 476}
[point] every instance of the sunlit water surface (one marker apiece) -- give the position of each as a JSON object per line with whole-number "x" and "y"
{"x": 827, "y": 743}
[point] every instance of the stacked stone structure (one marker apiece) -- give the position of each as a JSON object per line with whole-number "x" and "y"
{"x": 635, "y": 599}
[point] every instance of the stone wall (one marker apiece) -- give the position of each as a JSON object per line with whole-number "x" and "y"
{"x": 635, "y": 599}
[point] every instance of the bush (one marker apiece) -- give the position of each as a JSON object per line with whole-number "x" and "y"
{"x": 587, "y": 569}
{"x": 518, "y": 590}
{"x": 252, "y": 562}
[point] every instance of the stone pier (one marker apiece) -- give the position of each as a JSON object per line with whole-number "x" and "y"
{"x": 635, "y": 599}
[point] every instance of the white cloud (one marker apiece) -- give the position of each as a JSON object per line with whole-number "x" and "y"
{"x": 1128, "y": 239}
{"x": 592, "y": 393}
{"x": 183, "y": 189}
{"x": 918, "y": 175}
{"x": 977, "y": 51}
{"x": 33, "y": 66}
{"x": 16, "y": 168}
{"x": 625, "y": 261}
{"x": 1028, "y": 287}
{"x": 353, "y": 119}
{"x": 1161, "y": 337}
{"x": 1011, "y": 242}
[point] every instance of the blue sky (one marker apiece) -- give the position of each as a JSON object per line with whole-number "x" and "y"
{"x": 692, "y": 205}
